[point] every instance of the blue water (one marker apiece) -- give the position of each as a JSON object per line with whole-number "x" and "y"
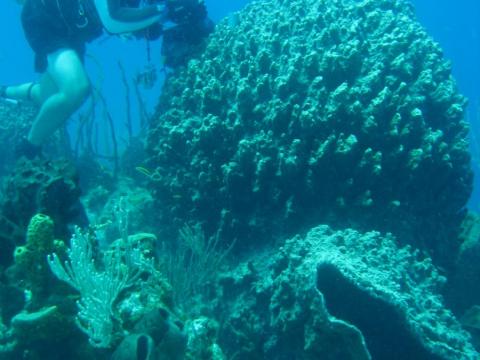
{"x": 456, "y": 26}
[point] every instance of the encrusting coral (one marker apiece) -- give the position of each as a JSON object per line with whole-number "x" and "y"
{"x": 309, "y": 111}
{"x": 338, "y": 295}
{"x": 14, "y": 124}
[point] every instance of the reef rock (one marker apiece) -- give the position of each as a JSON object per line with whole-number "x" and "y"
{"x": 14, "y": 124}
{"x": 338, "y": 295}
{"x": 38, "y": 186}
{"x": 311, "y": 111}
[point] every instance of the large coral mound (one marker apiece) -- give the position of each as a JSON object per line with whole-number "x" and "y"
{"x": 315, "y": 110}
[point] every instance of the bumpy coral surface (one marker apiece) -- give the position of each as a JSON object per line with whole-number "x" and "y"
{"x": 315, "y": 110}
{"x": 338, "y": 295}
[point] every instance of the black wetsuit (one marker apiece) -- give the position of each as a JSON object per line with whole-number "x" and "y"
{"x": 50, "y": 25}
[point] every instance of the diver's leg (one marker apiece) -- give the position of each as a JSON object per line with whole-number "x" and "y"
{"x": 33, "y": 91}
{"x": 19, "y": 92}
{"x": 42, "y": 90}
{"x": 67, "y": 72}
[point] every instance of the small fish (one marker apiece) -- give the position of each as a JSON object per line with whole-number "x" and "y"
{"x": 169, "y": 25}
{"x": 144, "y": 171}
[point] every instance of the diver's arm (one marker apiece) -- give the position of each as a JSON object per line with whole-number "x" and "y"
{"x": 118, "y": 20}
{"x": 129, "y": 14}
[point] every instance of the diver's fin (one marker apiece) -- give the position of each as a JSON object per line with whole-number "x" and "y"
{"x": 5, "y": 98}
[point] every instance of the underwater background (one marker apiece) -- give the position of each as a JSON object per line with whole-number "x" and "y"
{"x": 305, "y": 187}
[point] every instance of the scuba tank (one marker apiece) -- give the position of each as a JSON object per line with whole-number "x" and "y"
{"x": 79, "y": 17}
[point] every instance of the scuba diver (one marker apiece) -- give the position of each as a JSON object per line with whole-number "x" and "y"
{"x": 193, "y": 25}
{"x": 57, "y": 31}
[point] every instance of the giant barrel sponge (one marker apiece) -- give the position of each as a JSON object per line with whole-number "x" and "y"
{"x": 315, "y": 111}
